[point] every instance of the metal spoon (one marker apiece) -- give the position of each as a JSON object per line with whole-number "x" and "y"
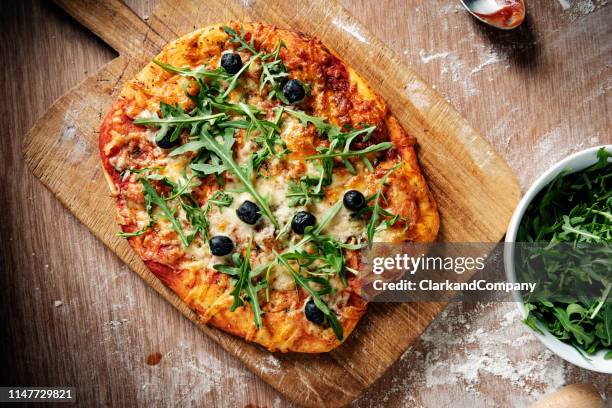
{"x": 504, "y": 14}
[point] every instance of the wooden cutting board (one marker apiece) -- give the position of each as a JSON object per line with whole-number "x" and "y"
{"x": 475, "y": 189}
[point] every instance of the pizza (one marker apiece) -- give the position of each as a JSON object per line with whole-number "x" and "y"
{"x": 250, "y": 165}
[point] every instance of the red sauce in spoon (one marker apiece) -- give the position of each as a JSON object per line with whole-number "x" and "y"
{"x": 511, "y": 14}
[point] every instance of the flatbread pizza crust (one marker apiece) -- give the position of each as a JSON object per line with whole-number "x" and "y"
{"x": 336, "y": 93}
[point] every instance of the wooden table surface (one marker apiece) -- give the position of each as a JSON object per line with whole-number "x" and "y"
{"x": 74, "y": 315}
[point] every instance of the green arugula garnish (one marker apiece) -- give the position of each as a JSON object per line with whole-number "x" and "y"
{"x": 220, "y": 199}
{"x": 175, "y": 116}
{"x": 184, "y": 186}
{"x": 273, "y": 71}
{"x": 141, "y": 231}
{"x": 217, "y": 76}
{"x": 380, "y": 218}
{"x": 316, "y": 295}
{"x": 151, "y": 197}
{"x": 234, "y": 80}
{"x": 241, "y": 270}
{"x": 305, "y": 191}
{"x": 340, "y": 144}
{"x": 240, "y": 39}
{"x": 572, "y": 218}
{"x": 198, "y": 217}
{"x": 269, "y": 134}
{"x": 325, "y": 254}
{"x": 214, "y": 167}
{"x": 224, "y": 152}
{"x": 181, "y": 192}
{"x": 198, "y": 72}
{"x": 319, "y": 123}
{"x": 346, "y": 152}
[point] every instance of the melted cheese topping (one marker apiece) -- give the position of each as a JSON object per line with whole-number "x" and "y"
{"x": 273, "y": 186}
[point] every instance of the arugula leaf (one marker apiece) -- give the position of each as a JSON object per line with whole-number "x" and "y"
{"x": 180, "y": 118}
{"x": 153, "y": 198}
{"x": 244, "y": 283}
{"x": 234, "y": 81}
{"x": 273, "y": 71}
{"x": 214, "y": 167}
{"x": 198, "y": 217}
{"x": 135, "y": 233}
{"x": 576, "y": 330}
{"x": 198, "y": 72}
{"x": 316, "y": 296}
{"x": 380, "y": 218}
{"x": 268, "y": 132}
{"x": 311, "y": 233}
{"x": 304, "y": 192}
{"x": 349, "y": 153}
{"x": 224, "y": 152}
{"x": 319, "y": 123}
{"x": 184, "y": 186}
{"x": 220, "y": 199}
{"x": 192, "y": 146}
{"x": 219, "y": 74}
{"x": 340, "y": 143}
{"x": 240, "y": 39}
{"x": 175, "y": 116}
{"x": 339, "y": 146}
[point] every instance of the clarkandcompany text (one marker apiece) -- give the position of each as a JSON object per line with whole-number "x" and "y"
{"x": 429, "y": 285}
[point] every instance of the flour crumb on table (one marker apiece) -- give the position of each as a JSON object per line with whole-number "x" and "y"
{"x": 351, "y": 28}
{"x": 465, "y": 355}
{"x": 580, "y": 8}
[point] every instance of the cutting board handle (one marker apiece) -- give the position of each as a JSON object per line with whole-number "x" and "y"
{"x": 117, "y": 25}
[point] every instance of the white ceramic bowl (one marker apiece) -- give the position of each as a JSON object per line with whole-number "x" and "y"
{"x": 575, "y": 162}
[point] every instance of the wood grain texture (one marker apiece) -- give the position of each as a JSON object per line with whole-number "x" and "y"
{"x": 100, "y": 336}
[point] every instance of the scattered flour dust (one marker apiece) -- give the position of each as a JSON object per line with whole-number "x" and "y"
{"x": 565, "y": 4}
{"x": 270, "y": 365}
{"x": 70, "y": 136}
{"x": 200, "y": 374}
{"x": 452, "y": 67}
{"x": 580, "y": 8}
{"x": 472, "y": 355}
{"x": 489, "y": 58}
{"x": 584, "y": 6}
{"x": 351, "y": 27}
{"x": 549, "y": 149}
{"x": 461, "y": 71}
{"x": 418, "y": 94}
{"x": 427, "y": 58}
